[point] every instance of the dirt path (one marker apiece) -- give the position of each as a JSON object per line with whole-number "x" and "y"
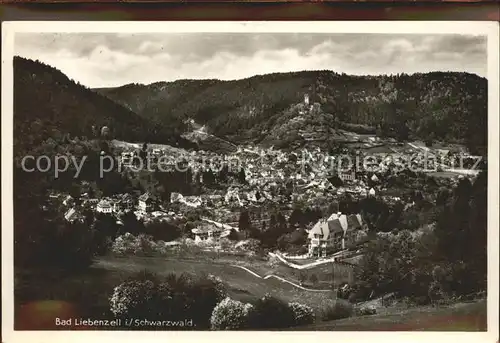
{"x": 333, "y": 259}
{"x": 282, "y": 280}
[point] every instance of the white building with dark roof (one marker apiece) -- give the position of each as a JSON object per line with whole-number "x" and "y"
{"x": 146, "y": 203}
{"x": 333, "y": 234}
{"x": 207, "y": 232}
{"x": 104, "y": 206}
{"x": 71, "y": 215}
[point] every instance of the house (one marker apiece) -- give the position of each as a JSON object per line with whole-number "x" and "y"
{"x": 175, "y": 197}
{"x": 68, "y": 200}
{"x": 347, "y": 175}
{"x": 207, "y": 232}
{"x": 354, "y": 224}
{"x": 124, "y": 203}
{"x": 127, "y": 158}
{"x": 71, "y": 215}
{"x": 146, "y": 203}
{"x": 192, "y": 201}
{"x": 325, "y": 236}
{"x": 333, "y": 234}
{"x": 93, "y": 201}
{"x": 104, "y": 206}
{"x": 443, "y": 152}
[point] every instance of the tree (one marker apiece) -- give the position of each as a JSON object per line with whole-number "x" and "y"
{"x": 161, "y": 230}
{"x": 230, "y": 314}
{"x": 131, "y": 224}
{"x": 281, "y": 223}
{"x": 314, "y": 279}
{"x": 282, "y": 242}
{"x": 244, "y": 222}
{"x": 174, "y": 297}
{"x": 298, "y": 237}
{"x": 333, "y": 207}
{"x": 105, "y": 231}
{"x": 143, "y": 153}
{"x": 296, "y": 217}
{"x": 271, "y": 313}
{"x": 233, "y": 235}
{"x": 242, "y": 176}
{"x": 477, "y": 232}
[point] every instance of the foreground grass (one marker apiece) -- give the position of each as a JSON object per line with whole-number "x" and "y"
{"x": 457, "y": 317}
{"x": 87, "y": 293}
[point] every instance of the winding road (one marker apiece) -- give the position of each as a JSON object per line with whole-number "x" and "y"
{"x": 281, "y": 279}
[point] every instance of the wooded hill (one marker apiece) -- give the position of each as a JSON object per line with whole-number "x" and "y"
{"x": 444, "y": 106}
{"x": 262, "y": 109}
{"x": 47, "y": 104}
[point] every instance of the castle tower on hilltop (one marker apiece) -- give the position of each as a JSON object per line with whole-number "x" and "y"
{"x": 306, "y": 99}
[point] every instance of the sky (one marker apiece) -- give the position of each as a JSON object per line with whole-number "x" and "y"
{"x": 115, "y": 59}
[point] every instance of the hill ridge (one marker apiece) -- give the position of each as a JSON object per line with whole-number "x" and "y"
{"x": 449, "y": 106}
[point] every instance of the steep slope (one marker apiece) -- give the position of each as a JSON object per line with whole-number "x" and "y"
{"x": 48, "y": 104}
{"x": 434, "y": 106}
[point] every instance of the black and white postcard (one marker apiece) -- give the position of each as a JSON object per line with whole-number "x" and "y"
{"x": 179, "y": 178}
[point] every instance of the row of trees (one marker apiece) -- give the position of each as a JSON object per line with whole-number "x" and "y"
{"x": 203, "y": 299}
{"x": 446, "y": 259}
{"x": 279, "y": 231}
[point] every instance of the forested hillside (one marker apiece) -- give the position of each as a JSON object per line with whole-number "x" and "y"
{"x": 47, "y": 104}
{"x": 433, "y": 106}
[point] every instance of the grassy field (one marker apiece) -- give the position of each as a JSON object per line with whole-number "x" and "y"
{"x": 327, "y": 274}
{"x": 242, "y": 285}
{"x": 457, "y": 317}
{"x": 88, "y": 293}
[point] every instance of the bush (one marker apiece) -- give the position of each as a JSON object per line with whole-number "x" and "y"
{"x": 344, "y": 291}
{"x": 302, "y": 314}
{"x": 314, "y": 279}
{"x": 129, "y": 244}
{"x": 133, "y": 298}
{"x": 420, "y": 300}
{"x": 230, "y": 315}
{"x": 172, "y": 298}
{"x": 436, "y": 294}
{"x": 220, "y": 287}
{"x": 366, "y": 311}
{"x": 271, "y": 313}
{"x": 338, "y": 310}
{"x": 201, "y": 295}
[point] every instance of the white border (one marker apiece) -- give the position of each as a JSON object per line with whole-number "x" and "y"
{"x": 490, "y": 29}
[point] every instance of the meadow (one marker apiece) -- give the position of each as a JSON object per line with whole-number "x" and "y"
{"x": 88, "y": 292}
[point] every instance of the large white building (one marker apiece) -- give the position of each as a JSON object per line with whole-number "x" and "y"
{"x": 333, "y": 234}
{"x": 104, "y": 206}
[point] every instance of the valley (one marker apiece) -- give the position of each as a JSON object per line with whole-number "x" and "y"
{"x": 317, "y": 188}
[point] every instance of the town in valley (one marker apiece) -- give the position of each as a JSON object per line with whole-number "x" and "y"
{"x": 301, "y": 199}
